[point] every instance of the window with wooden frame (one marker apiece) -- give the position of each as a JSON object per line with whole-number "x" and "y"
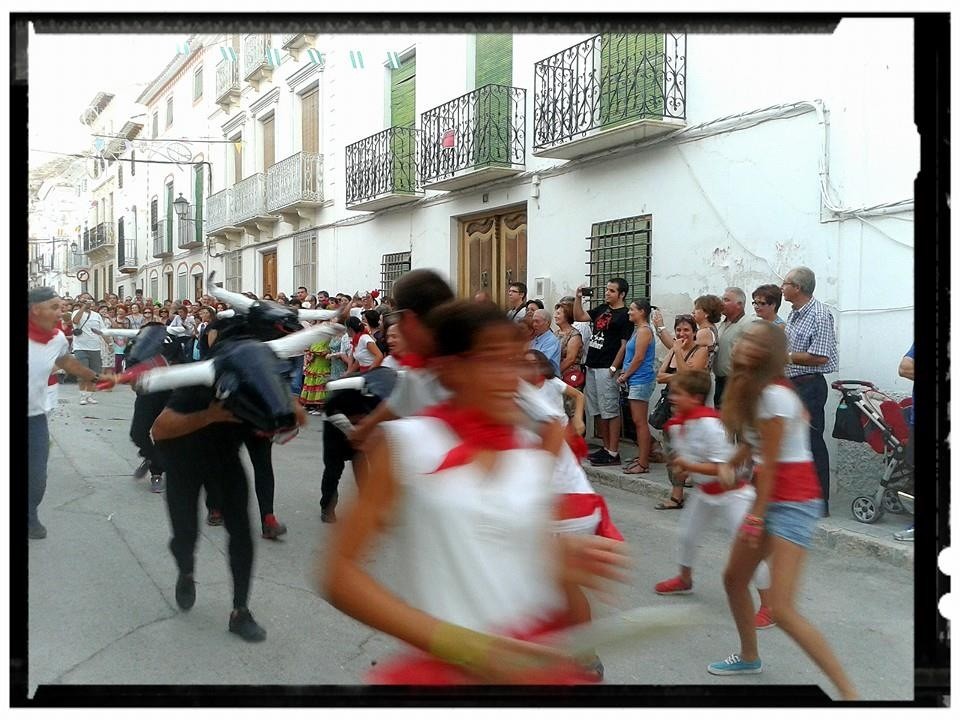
{"x": 233, "y": 262}
{"x": 310, "y": 121}
{"x": 620, "y": 248}
{"x": 155, "y": 127}
{"x": 198, "y": 83}
{"x": 269, "y": 142}
{"x": 392, "y": 267}
{"x": 169, "y": 112}
{"x": 305, "y": 259}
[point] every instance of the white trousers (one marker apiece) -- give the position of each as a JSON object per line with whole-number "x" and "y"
{"x": 699, "y": 511}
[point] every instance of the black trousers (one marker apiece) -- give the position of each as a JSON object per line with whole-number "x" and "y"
{"x": 337, "y": 450}
{"x": 221, "y": 472}
{"x": 146, "y": 408}
{"x": 720, "y": 382}
{"x": 812, "y": 390}
{"x": 261, "y": 457}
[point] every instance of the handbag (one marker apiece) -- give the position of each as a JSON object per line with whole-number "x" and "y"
{"x": 574, "y": 376}
{"x": 662, "y": 411}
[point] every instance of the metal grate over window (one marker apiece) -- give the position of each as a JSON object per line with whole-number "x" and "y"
{"x": 305, "y": 260}
{"x": 392, "y": 267}
{"x": 620, "y": 248}
{"x": 234, "y": 271}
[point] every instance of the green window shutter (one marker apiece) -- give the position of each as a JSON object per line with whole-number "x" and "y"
{"x": 631, "y": 77}
{"x": 494, "y": 62}
{"x": 403, "y": 86}
{"x": 169, "y": 217}
{"x": 198, "y": 199}
{"x": 494, "y": 66}
{"x": 403, "y": 108}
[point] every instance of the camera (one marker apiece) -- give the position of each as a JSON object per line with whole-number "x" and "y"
{"x": 78, "y": 331}
{"x": 586, "y": 292}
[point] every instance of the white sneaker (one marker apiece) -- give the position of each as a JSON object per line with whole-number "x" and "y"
{"x": 92, "y": 401}
{"x": 83, "y": 401}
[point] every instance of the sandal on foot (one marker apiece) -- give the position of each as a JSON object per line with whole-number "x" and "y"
{"x": 635, "y": 468}
{"x": 671, "y": 503}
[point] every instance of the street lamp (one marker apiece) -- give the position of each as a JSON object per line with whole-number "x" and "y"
{"x": 181, "y": 205}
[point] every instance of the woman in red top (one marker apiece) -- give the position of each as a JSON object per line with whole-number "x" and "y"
{"x": 763, "y": 411}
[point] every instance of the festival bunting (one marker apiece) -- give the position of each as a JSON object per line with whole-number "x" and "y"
{"x": 356, "y": 59}
{"x": 316, "y": 57}
{"x": 393, "y": 60}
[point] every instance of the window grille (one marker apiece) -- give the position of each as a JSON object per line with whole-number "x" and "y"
{"x": 620, "y": 248}
{"x": 392, "y": 267}
{"x": 234, "y": 271}
{"x": 305, "y": 260}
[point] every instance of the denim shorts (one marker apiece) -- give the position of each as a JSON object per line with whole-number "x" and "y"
{"x": 643, "y": 391}
{"x": 794, "y": 521}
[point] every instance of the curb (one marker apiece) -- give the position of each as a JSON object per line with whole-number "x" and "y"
{"x": 828, "y": 536}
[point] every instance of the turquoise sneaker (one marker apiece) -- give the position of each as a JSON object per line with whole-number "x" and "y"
{"x": 733, "y": 665}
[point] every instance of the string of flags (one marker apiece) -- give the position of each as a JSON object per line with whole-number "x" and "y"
{"x": 275, "y": 56}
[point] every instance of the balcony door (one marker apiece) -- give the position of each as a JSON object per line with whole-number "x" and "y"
{"x": 169, "y": 283}
{"x": 493, "y": 254}
{"x": 310, "y": 121}
{"x": 269, "y": 274}
{"x": 168, "y": 241}
{"x": 269, "y": 150}
{"x": 631, "y": 77}
{"x": 494, "y": 65}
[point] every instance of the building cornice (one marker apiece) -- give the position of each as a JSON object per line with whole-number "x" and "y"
{"x": 233, "y": 123}
{"x": 303, "y": 74}
{"x": 271, "y": 98}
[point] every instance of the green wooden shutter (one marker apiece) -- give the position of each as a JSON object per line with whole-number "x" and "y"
{"x": 631, "y": 77}
{"x": 403, "y": 114}
{"x": 494, "y": 66}
{"x": 169, "y": 245}
{"x": 198, "y": 199}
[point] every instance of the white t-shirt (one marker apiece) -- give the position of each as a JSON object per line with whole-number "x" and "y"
{"x": 518, "y": 314}
{"x": 585, "y": 332}
{"x": 414, "y": 391}
{"x": 361, "y": 354}
{"x": 701, "y": 440}
{"x": 390, "y": 361}
{"x": 87, "y": 340}
{"x": 41, "y": 359}
{"x": 474, "y": 546}
{"x": 551, "y": 392}
{"x": 779, "y": 401}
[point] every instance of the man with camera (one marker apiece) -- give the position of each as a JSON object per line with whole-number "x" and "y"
{"x": 88, "y": 344}
{"x": 611, "y": 331}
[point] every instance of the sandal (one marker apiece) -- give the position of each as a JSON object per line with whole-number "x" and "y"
{"x": 671, "y": 503}
{"x": 635, "y": 468}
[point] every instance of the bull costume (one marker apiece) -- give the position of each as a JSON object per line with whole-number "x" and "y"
{"x": 214, "y": 407}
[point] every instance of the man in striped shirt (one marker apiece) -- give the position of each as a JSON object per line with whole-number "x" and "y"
{"x": 812, "y": 345}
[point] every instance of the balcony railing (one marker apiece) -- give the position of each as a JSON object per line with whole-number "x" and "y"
{"x": 296, "y": 180}
{"x": 187, "y": 235}
{"x": 100, "y": 236}
{"x": 127, "y": 251}
{"x": 482, "y": 129}
{"x": 86, "y": 240}
{"x": 228, "y": 80}
{"x": 383, "y": 165}
{"x": 218, "y": 211}
{"x": 76, "y": 261}
{"x": 255, "y": 48}
{"x": 607, "y": 81}
{"x": 162, "y": 239}
{"x": 249, "y": 199}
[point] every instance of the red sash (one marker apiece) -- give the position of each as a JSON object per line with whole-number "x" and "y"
{"x": 577, "y": 505}
{"x": 477, "y": 431}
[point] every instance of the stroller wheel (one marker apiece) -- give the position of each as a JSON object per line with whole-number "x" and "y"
{"x": 866, "y": 510}
{"x": 891, "y": 502}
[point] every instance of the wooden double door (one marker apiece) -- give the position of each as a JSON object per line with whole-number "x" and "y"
{"x": 269, "y": 260}
{"x": 493, "y": 253}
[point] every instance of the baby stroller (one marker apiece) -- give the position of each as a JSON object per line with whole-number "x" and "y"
{"x": 867, "y": 415}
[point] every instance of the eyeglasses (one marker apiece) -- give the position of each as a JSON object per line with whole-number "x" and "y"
{"x": 758, "y": 303}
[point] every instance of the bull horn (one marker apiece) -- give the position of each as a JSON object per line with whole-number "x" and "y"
{"x": 177, "y": 376}
{"x": 296, "y": 343}
{"x": 226, "y": 313}
{"x": 318, "y": 314}
{"x": 177, "y": 331}
{"x": 117, "y": 332}
{"x": 229, "y": 297}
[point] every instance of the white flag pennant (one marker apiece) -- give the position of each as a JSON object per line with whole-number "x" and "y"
{"x": 316, "y": 57}
{"x": 393, "y": 60}
{"x": 229, "y": 54}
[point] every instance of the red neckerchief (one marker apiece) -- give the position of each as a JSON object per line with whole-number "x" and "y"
{"x": 38, "y": 334}
{"x": 476, "y": 430}
{"x": 700, "y": 411}
{"x": 412, "y": 361}
{"x": 355, "y": 340}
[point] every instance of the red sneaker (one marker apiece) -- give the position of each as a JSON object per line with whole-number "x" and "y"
{"x": 673, "y": 586}
{"x": 764, "y": 618}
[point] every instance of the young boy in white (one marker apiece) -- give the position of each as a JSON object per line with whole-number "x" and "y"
{"x": 701, "y": 447}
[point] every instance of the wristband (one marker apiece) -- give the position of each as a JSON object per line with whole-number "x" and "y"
{"x": 459, "y": 646}
{"x": 753, "y": 520}
{"x": 661, "y": 328}
{"x": 751, "y": 530}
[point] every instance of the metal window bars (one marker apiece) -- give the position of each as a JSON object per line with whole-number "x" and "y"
{"x": 392, "y": 266}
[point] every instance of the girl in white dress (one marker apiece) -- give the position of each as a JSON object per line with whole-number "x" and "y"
{"x": 469, "y": 495}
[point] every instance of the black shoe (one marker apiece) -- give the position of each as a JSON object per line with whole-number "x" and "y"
{"x": 598, "y": 454}
{"x": 186, "y": 592}
{"x": 327, "y": 513}
{"x": 606, "y": 459}
{"x": 36, "y": 532}
{"x": 141, "y": 471}
{"x": 243, "y": 624}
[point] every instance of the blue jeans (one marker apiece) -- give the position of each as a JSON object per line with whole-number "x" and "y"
{"x": 812, "y": 390}
{"x": 38, "y": 451}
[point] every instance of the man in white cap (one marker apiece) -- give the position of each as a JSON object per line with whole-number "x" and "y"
{"x": 47, "y": 348}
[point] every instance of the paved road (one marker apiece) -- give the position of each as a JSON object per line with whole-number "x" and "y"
{"x": 102, "y": 609}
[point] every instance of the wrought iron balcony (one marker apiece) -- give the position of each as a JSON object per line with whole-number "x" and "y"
{"x": 228, "y": 82}
{"x": 127, "y": 251}
{"x": 100, "y": 240}
{"x": 382, "y": 170}
{"x": 609, "y": 90}
{"x": 187, "y": 235}
{"x": 249, "y": 201}
{"x": 162, "y": 239}
{"x": 76, "y": 261}
{"x": 256, "y": 66}
{"x": 218, "y": 212}
{"x": 476, "y": 138}
{"x": 296, "y": 181}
